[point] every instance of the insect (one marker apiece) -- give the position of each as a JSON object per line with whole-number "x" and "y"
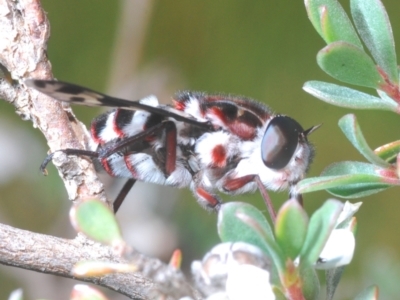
{"x": 208, "y": 143}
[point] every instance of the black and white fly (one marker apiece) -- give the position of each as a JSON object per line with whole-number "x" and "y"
{"x": 205, "y": 142}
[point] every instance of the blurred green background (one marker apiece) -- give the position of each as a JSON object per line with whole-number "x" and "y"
{"x": 262, "y": 49}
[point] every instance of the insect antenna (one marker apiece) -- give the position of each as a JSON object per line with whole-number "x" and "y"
{"x": 310, "y": 130}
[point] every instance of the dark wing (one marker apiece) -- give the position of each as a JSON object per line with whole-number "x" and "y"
{"x": 72, "y": 93}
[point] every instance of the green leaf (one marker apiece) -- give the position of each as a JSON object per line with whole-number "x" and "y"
{"x": 331, "y": 21}
{"x": 314, "y": 184}
{"x": 389, "y": 151}
{"x": 370, "y": 293}
{"x": 348, "y": 63}
{"x": 373, "y": 25}
{"x": 347, "y": 179}
{"x": 94, "y": 219}
{"x": 310, "y": 282}
{"x": 345, "y": 97}
{"x": 291, "y": 228}
{"x": 359, "y": 179}
{"x": 385, "y": 97}
{"x": 349, "y": 125}
{"x": 320, "y": 227}
{"x": 242, "y": 222}
{"x": 279, "y": 295}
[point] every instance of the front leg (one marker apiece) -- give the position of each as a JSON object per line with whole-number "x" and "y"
{"x": 206, "y": 198}
{"x": 204, "y": 194}
{"x": 233, "y": 184}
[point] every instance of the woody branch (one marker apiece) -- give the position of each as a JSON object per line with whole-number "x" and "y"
{"x": 24, "y": 30}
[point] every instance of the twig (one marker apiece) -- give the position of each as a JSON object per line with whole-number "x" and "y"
{"x": 52, "y": 255}
{"x": 24, "y": 30}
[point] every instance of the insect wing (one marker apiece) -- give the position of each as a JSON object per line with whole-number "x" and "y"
{"x": 76, "y": 94}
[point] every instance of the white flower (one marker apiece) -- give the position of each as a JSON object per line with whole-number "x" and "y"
{"x": 339, "y": 248}
{"x": 248, "y": 282}
{"x": 210, "y": 274}
{"x": 349, "y": 209}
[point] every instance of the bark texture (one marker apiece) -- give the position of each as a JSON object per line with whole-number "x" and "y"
{"x": 24, "y": 30}
{"x": 52, "y": 255}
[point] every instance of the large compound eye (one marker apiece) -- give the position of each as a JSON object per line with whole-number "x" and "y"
{"x": 280, "y": 142}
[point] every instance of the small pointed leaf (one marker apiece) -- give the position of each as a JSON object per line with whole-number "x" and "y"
{"x": 291, "y": 228}
{"x": 350, "y": 186}
{"x": 345, "y": 97}
{"x": 373, "y": 25}
{"x": 363, "y": 179}
{"x": 348, "y": 63}
{"x": 350, "y": 179}
{"x": 370, "y": 293}
{"x": 320, "y": 227}
{"x": 349, "y": 125}
{"x": 389, "y": 99}
{"x": 389, "y": 151}
{"x": 310, "y": 282}
{"x": 331, "y": 21}
{"x": 100, "y": 268}
{"x": 176, "y": 259}
{"x": 242, "y": 222}
{"x": 233, "y": 214}
{"x": 97, "y": 221}
{"x": 314, "y": 184}
{"x": 279, "y": 295}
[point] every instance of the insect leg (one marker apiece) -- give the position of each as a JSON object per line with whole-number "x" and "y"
{"x": 266, "y": 198}
{"x": 77, "y": 152}
{"x": 207, "y": 199}
{"x": 122, "y": 194}
{"x": 237, "y": 183}
{"x": 170, "y": 143}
